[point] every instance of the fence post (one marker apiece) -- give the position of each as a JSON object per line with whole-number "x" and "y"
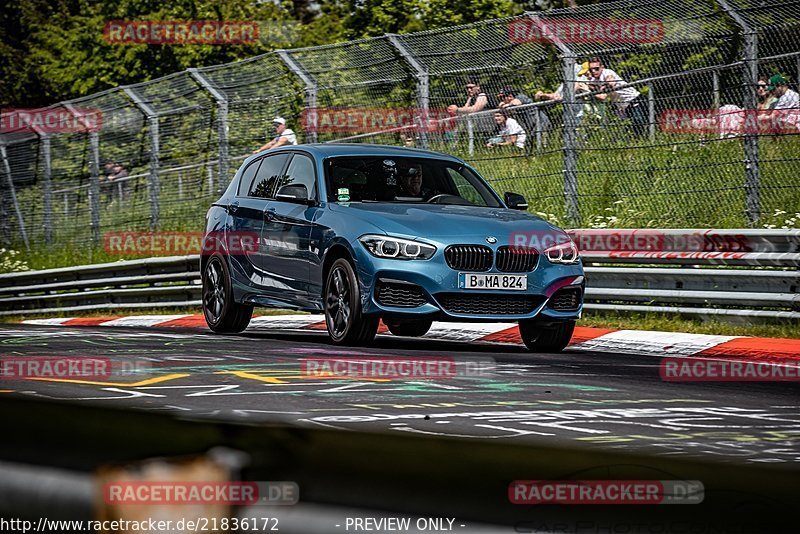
{"x": 651, "y": 112}
{"x": 48, "y": 189}
{"x": 568, "y": 61}
{"x": 470, "y": 135}
{"x": 311, "y": 90}
{"x": 153, "y": 181}
{"x": 752, "y": 176}
{"x": 715, "y": 85}
{"x": 94, "y": 172}
{"x": 423, "y": 85}
{"x": 222, "y": 110}
{"x": 537, "y": 121}
{"x": 47, "y": 184}
{"x": 12, "y": 190}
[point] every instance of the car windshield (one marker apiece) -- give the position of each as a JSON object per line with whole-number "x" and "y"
{"x": 411, "y": 180}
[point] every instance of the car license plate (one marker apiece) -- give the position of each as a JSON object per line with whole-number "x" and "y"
{"x": 501, "y": 282}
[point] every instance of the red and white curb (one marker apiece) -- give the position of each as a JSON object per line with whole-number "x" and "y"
{"x": 639, "y": 342}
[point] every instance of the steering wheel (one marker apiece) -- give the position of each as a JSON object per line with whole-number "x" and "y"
{"x": 435, "y": 198}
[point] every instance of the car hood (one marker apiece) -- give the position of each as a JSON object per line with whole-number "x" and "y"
{"x": 442, "y": 221}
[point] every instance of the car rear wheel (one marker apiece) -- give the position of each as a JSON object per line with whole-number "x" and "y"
{"x": 540, "y": 336}
{"x": 413, "y": 328}
{"x": 223, "y": 314}
{"x": 346, "y": 324}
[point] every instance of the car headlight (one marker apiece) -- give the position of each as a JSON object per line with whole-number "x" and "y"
{"x": 384, "y": 246}
{"x": 565, "y": 253}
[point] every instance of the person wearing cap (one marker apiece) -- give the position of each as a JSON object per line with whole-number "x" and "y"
{"x": 283, "y": 135}
{"x": 510, "y": 133}
{"x": 779, "y": 88}
{"x": 765, "y": 98}
{"x": 580, "y": 87}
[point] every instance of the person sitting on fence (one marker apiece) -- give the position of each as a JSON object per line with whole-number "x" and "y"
{"x": 626, "y": 98}
{"x": 283, "y": 135}
{"x": 766, "y": 100}
{"x": 510, "y": 134}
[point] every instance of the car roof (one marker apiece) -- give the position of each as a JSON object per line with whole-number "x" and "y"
{"x": 326, "y": 150}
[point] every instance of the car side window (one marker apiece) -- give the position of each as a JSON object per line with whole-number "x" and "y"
{"x": 301, "y": 171}
{"x": 268, "y": 176}
{"x": 466, "y": 190}
{"x": 247, "y": 177}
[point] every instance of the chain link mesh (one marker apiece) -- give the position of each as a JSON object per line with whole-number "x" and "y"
{"x": 689, "y": 151}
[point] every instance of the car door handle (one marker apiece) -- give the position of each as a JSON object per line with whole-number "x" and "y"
{"x": 233, "y": 206}
{"x": 269, "y": 214}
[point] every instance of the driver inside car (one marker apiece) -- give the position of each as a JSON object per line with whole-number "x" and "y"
{"x": 411, "y": 184}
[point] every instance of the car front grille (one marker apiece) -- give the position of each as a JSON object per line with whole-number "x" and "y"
{"x": 516, "y": 259}
{"x": 399, "y": 295}
{"x": 476, "y": 304}
{"x": 566, "y": 299}
{"x": 468, "y": 257}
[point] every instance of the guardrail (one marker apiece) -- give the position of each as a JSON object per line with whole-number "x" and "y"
{"x": 737, "y": 273}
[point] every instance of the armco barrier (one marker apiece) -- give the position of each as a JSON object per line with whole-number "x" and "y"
{"x": 745, "y": 273}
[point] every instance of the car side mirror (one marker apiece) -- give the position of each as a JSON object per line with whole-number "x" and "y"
{"x": 515, "y": 201}
{"x": 297, "y": 193}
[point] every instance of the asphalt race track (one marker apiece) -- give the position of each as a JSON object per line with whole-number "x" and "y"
{"x": 576, "y": 398}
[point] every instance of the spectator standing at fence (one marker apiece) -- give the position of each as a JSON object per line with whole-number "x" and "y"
{"x": 580, "y": 87}
{"x": 283, "y": 135}
{"x": 786, "y": 98}
{"x": 626, "y": 98}
{"x": 765, "y": 99}
{"x": 115, "y": 173}
{"x": 510, "y": 134}
{"x": 476, "y": 99}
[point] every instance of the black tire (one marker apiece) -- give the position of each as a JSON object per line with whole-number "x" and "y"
{"x": 346, "y": 324}
{"x": 412, "y": 328}
{"x": 541, "y": 336}
{"x": 223, "y": 314}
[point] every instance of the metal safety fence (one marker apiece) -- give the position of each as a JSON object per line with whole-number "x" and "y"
{"x": 674, "y": 129}
{"x": 746, "y": 274}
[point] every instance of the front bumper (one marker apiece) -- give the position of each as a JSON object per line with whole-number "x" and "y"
{"x": 433, "y": 290}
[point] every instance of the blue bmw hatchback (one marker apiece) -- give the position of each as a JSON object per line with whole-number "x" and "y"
{"x": 368, "y": 232}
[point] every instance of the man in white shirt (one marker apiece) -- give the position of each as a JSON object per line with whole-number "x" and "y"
{"x": 510, "y": 134}
{"x": 284, "y": 135}
{"x": 787, "y": 98}
{"x": 617, "y": 91}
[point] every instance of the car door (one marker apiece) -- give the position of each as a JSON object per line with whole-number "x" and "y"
{"x": 286, "y": 232}
{"x": 245, "y": 222}
{"x": 252, "y": 200}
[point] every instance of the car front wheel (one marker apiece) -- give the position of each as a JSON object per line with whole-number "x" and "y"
{"x": 541, "y": 336}
{"x": 223, "y": 314}
{"x": 346, "y": 324}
